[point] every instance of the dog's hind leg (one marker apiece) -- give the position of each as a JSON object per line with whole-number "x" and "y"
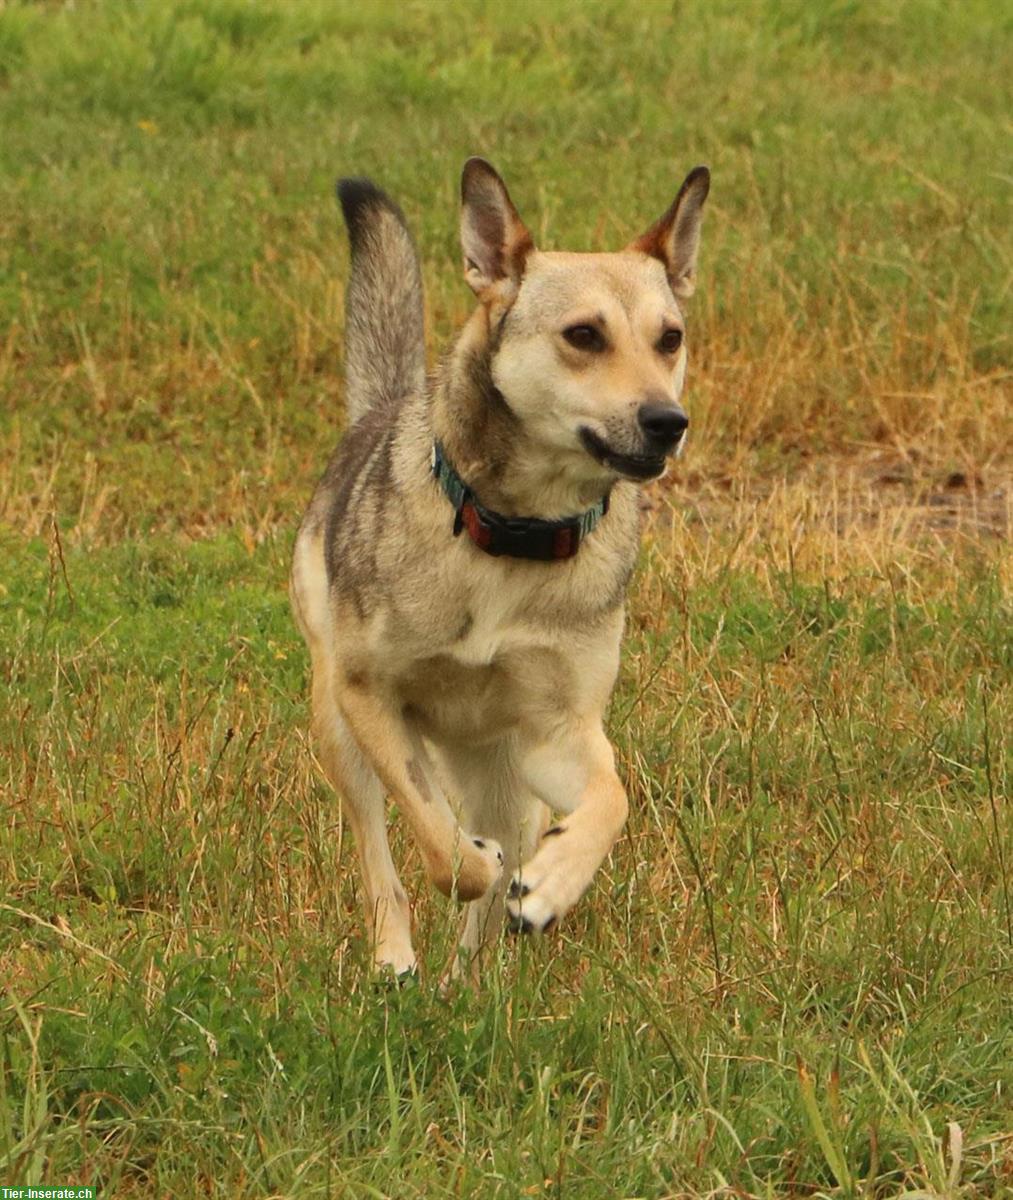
{"x": 496, "y": 804}
{"x": 483, "y": 919}
{"x": 388, "y": 917}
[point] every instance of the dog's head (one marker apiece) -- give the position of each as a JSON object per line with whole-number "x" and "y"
{"x": 588, "y": 350}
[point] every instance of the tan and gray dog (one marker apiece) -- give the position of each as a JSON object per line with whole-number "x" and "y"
{"x": 459, "y": 576}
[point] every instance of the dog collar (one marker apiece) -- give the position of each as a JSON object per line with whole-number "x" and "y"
{"x": 515, "y": 537}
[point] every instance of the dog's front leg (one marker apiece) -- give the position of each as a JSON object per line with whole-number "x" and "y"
{"x": 573, "y": 773}
{"x": 458, "y": 864}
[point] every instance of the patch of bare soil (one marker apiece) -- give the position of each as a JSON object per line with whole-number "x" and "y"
{"x": 850, "y": 496}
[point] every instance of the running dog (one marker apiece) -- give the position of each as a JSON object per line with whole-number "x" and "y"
{"x": 460, "y": 574}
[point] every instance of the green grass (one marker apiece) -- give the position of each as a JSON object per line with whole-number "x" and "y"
{"x": 793, "y": 976}
{"x": 812, "y": 877}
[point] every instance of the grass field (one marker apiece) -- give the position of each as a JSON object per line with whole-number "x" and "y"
{"x": 795, "y": 975}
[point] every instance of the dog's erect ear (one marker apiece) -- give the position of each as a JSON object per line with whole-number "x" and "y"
{"x": 675, "y": 239}
{"x": 493, "y": 237}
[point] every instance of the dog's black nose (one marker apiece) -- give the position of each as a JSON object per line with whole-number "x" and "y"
{"x": 663, "y": 424}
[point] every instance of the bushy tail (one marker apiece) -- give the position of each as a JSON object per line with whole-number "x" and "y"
{"x": 384, "y": 347}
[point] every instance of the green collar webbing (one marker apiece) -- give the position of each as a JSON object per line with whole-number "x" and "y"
{"x": 515, "y": 537}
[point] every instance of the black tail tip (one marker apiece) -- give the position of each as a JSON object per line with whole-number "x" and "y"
{"x": 358, "y": 197}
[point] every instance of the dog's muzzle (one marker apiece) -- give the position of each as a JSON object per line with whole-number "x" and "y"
{"x": 662, "y": 426}
{"x": 632, "y": 466}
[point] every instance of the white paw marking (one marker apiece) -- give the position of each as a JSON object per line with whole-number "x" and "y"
{"x": 546, "y": 888}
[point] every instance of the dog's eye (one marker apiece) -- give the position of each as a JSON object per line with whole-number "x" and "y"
{"x": 670, "y": 341}
{"x": 584, "y": 337}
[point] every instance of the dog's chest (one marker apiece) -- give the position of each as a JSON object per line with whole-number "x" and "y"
{"x": 495, "y": 677}
{"x": 507, "y": 649}
{"x": 484, "y": 630}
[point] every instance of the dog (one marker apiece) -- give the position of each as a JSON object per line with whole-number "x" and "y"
{"x": 460, "y": 574}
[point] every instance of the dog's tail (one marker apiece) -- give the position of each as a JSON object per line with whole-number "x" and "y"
{"x": 384, "y": 346}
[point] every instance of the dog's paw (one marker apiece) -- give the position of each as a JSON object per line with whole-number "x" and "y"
{"x": 478, "y": 867}
{"x": 389, "y": 978}
{"x": 394, "y": 963}
{"x": 490, "y": 864}
{"x": 491, "y": 847}
{"x": 540, "y": 893}
{"x": 529, "y": 910}
{"x": 545, "y": 888}
{"x": 522, "y": 922}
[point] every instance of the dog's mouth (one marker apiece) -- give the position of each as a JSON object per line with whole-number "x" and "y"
{"x": 632, "y": 466}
